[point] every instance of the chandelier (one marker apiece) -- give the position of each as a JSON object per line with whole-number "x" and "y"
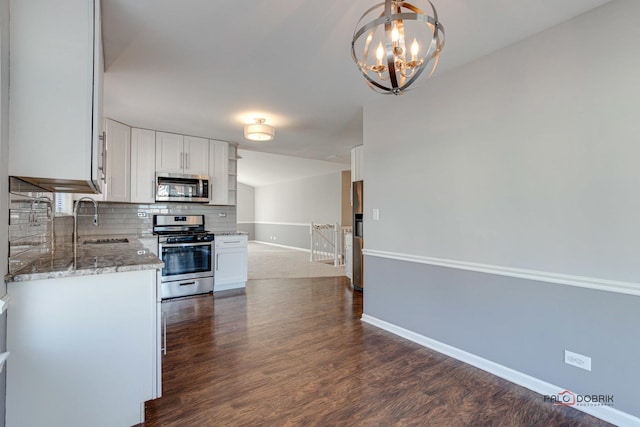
{"x": 398, "y": 43}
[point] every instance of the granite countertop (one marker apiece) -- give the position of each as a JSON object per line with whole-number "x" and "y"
{"x": 90, "y": 259}
{"x": 230, "y": 233}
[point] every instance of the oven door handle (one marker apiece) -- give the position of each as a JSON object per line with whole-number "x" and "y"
{"x": 182, "y": 245}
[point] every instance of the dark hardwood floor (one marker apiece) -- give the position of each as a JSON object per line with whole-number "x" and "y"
{"x": 293, "y": 352}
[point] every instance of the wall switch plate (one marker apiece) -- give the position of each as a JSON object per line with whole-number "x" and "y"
{"x": 376, "y": 214}
{"x": 577, "y": 360}
{"x": 142, "y": 214}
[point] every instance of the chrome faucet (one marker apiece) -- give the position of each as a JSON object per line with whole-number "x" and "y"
{"x": 32, "y": 212}
{"x": 75, "y": 215}
{"x": 33, "y": 218}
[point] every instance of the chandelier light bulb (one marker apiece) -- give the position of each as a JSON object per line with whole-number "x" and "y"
{"x": 415, "y": 48}
{"x": 380, "y": 53}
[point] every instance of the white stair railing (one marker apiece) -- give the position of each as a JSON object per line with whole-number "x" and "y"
{"x": 326, "y": 243}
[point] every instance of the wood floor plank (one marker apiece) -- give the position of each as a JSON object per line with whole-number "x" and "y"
{"x": 293, "y": 352}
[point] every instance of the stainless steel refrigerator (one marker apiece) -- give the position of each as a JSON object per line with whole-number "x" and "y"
{"x": 358, "y": 277}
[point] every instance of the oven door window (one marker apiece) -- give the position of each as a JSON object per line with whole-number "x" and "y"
{"x": 186, "y": 260}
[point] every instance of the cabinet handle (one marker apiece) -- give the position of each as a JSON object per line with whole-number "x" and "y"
{"x": 217, "y": 259}
{"x": 187, "y": 283}
{"x": 101, "y": 138}
{"x": 181, "y": 160}
{"x": 187, "y": 160}
{"x": 164, "y": 333}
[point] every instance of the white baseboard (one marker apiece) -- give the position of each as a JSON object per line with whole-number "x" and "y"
{"x": 607, "y": 413}
{"x": 281, "y": 246}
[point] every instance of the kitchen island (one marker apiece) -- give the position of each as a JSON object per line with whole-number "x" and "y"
{"x": 84, "y": 336}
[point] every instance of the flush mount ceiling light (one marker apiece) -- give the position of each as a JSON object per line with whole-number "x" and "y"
{"x": 259, "y": 131}
{"x": 395, "y": 43}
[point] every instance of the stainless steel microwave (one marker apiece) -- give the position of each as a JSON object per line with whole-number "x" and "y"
{"x": 172, "y": 187}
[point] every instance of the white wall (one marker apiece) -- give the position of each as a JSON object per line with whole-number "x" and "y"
{"x": 246, "y": 210}
{"x": 246, "y": 206}
{"x": 526, "y": 159}
{"x": 315, "y": 199}
{"x": 284, "y": 211}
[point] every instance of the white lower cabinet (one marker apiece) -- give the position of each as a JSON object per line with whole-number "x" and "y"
{"x": 84, "y": 350}
{"x": 230, "y": 262}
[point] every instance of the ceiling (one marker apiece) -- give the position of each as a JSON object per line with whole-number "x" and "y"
{"x": 260, "y": 169}
{"x": 206, "y": 67}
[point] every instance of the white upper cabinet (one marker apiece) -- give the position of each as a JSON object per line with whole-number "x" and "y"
{"x": 196, "y": 151}
{"x": 143, "y": 164}
{"x": 181, "y": 154}
{"x": 118, "y": 143}
{"x": 56, "y": 73}
{"x": 169, "y": 152}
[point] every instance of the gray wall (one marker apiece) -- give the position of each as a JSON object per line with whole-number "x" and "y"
{"x": 4, "y": 185}
{"x": 246, "y": 209}
{"x": 284, "y": 211}
{"x": 525, "y": 159}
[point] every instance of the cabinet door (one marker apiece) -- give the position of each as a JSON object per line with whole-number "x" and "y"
{"x": 53, "y": 102}
{"x": 118, "y": 140}
{"x": 196, "y": 153}
{"x": 219, "y": 172}
{"x": 169, "y": 152}
{"x": 231, "y": 266}
{"x": 143, "y": 165}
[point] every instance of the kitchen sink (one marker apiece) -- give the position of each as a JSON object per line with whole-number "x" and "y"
{"x": 105, "y": 241}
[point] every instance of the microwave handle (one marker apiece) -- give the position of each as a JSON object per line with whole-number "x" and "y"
{"x": 200, "y": 186}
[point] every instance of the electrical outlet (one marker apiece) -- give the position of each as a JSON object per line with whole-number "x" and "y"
{"x": 577, "y": 360}
{"x": 376, "y": 214}
{"x": 142, "y": 214}
{"x": 222, "y": 214}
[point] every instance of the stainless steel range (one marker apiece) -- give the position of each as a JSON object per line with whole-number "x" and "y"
{"x": 186, "y": 249}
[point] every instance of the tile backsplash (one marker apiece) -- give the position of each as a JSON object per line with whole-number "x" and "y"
{"x": 33, "y": 228}
{"x": 137, "y": 219}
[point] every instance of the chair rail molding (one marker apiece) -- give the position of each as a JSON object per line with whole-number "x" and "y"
{"x": 541, "y": 276}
